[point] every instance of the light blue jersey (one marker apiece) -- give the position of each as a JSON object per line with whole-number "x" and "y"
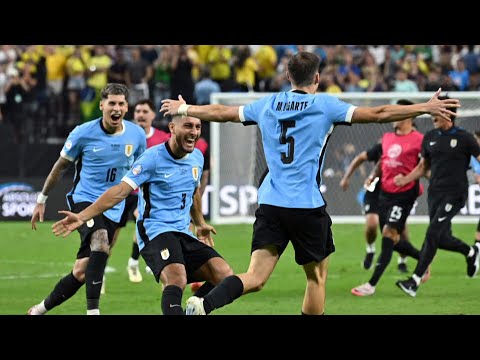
{"x": 101, "y": 160}
{"x": 295, "y": 128}
{"x": 167, "y": 185}
{"x": 475, "y": 165}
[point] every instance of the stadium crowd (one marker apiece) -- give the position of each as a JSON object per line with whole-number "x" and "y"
{"x": 46, "y": 90}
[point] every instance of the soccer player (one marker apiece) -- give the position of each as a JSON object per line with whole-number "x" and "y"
{"x": 295, "y": 127}
{"x": 400, "y": 154}
{"x": 371, "y": 205}
{"x": 103, "y": 150}
{"x": 168, "y": 176}
{"x": 143, "y": 115}
{"x": 446, "y": 153}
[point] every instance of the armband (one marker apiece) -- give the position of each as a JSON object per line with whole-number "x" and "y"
{"x": 41, "y": 199}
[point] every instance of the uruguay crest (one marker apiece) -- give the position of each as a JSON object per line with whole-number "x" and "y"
{"x": 165, "y": 254}
{"x": 195, "y": 173}
{"x": 453, "y": 143}
{"x": 128, "y": 149}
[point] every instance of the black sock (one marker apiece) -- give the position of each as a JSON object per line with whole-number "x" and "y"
{"x": 135, "y": 252}
{"x": 64, "y": 290}
{"x": 172, "y": 300}
{"x": 383, "y": 260}
{"x": 204, "y": 289}
{"x": 224, "y": 293}
{"x": 405, "y": 247}
{"x": 94, "y": 278}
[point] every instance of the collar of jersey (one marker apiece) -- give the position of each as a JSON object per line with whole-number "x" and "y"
{"x": 299, "y": 91}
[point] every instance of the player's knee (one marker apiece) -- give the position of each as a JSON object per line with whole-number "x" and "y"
{"x": 220, "y": 272}
{"x": 79, "y": 274}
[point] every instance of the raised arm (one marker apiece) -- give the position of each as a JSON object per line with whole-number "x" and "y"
{"x": 107, "y": 200}
{"x": 52, "y": 179}
{"x": 215, "y": 113}
{"x": 354, "y": 164}
{"x": 391, "y": 113}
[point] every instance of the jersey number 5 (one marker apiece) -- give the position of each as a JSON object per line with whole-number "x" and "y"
{"x": 287, "y": 158}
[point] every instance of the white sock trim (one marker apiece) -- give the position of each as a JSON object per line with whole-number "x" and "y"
{"x": 417, "y": 279}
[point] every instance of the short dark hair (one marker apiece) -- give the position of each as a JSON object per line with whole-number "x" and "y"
{"x": 404, "y": 102}
{"x": 477, "y": 133}
{"x": 114, "y": 89}
{"x": 146, "y": 102}
{"x": 454, "y": 109}
{"x": 302, "y": 68}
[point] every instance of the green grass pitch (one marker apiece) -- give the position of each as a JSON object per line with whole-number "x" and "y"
{"x": 31, "y": 262}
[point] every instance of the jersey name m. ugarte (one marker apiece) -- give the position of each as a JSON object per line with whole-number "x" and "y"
{"x": 295, "y": 128}
{"x": 167, "y": 185}
{"x": 101, "y": 160}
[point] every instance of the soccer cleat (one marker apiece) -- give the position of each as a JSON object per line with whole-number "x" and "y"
{"x": 408, "y": 286}
{"x": 363, "y": 290}
{"x": 473, "y": 262}
{"x": 368, "y": 260}
{"x": 34, "y": 311}
{"x": 196, "y": 285}
{"x": 195, "y": 306}
{"x": 134, "y": 274}
{"x": 148, "y": 270}
{"x": 402, "y": 267}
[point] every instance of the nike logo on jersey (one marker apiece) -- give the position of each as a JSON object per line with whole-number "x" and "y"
{"x": 168, "y": 175}
{"x": 173, "y": 305}
{"x": 441, "y": 219}
{"x": 99, "y": 149}
{"x": 96, "y": 282}
{"x": 432, "y": 143}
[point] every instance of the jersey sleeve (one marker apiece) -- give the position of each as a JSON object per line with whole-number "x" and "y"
{"x": 142, "y": 145}
{"x": 249, "y": 114}
{"x": 374, "y": 153}
{"x": 142, "y": 170}
{"x": 338, "y": 111}
{"x": 473, "y": 146}
{"x": 73, "y": 145}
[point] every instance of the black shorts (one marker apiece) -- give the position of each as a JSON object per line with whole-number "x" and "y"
{"x": 309, "y": 230}
{"x": 130, "y": 206}
{"x": 370, "y": 202}
{"x": 443, "y": 206}
{"x": 177, "y": 247}
{"x": 87, "y": 229}
{"x": 395, "y": 208}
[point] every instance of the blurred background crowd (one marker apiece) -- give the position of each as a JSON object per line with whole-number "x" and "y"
{"x": 46, "y": 90}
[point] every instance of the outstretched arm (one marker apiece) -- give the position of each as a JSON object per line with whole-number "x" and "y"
{"x": 107, "y": 200}
{"x": 391, "y": 113}
{"x": 356, "y": 162}
{"x": 52, "y": 179}
{"x": 215, "y": 113}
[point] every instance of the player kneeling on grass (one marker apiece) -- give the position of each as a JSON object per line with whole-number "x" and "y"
{"x": 168, "y": 176}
